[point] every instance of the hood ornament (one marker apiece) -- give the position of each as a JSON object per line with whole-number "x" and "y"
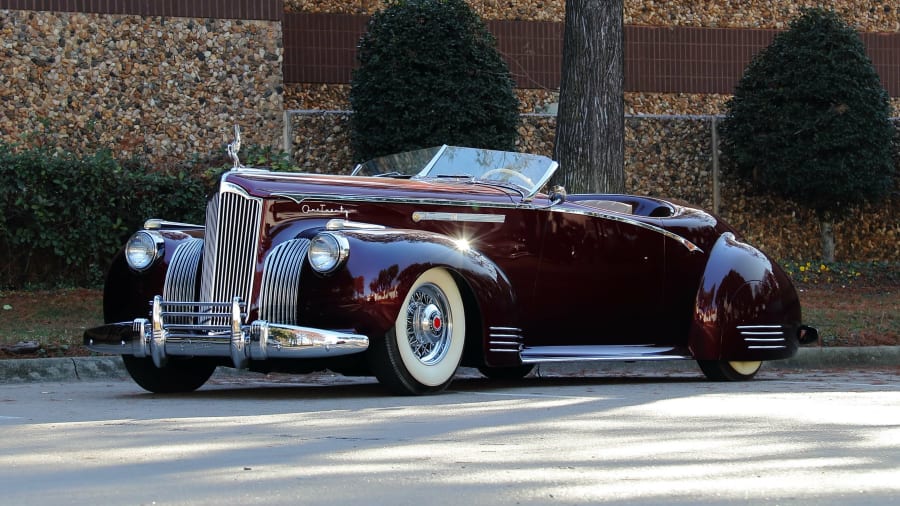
{"x": 235, "y": 146}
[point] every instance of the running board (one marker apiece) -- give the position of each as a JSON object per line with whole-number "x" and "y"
{"x": 614, "y": 352}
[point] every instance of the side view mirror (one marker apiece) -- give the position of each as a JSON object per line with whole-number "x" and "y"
{"x": 557, "y": 195}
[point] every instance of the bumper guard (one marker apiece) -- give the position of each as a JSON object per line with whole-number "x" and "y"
{"x": 216, "y": 329}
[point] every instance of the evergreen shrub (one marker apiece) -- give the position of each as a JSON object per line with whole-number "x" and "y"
{"x": 809, "y": 119}
{"x": 429, "y": 74}
{"x": 63, "y": 218}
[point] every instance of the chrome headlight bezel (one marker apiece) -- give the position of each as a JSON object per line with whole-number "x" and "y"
{"x": 327, "y": 252}
{"x": 143, "y": 249}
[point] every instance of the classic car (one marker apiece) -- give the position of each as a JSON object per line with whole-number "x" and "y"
{"x": 422, "y": 262}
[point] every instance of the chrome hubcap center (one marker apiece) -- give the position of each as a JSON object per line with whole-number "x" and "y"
{"x": 431, "y": 323}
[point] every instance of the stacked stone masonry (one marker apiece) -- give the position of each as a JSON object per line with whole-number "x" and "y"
{"x": 167, "y": 89}
{"x": 159, "y": 88}
{"x": 876, "y": 16}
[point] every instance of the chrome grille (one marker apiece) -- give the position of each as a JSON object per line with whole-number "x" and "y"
{"x": 229, "y": 257}
{"x": 281, "y": 282}
{"x": 181, "y": 277}
{"x": 174, "y": 316}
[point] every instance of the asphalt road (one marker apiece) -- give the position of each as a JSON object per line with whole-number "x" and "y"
{"x": 664, "y": 437}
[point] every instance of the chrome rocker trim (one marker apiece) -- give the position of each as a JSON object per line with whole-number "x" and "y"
{"x": 260, "y": 340}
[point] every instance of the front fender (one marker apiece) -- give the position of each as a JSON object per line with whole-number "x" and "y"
{"x": 126, "y": 293}
{"x": 746, "y": 307}
{"x": 366, "y": 294}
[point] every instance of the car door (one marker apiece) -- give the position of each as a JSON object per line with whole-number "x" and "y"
{"x": 599, "y": 282}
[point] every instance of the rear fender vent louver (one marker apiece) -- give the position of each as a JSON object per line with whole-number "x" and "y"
{"x": 763, "y": 337}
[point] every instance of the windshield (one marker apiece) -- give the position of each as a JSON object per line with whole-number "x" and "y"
{"x": 526, "y": 172}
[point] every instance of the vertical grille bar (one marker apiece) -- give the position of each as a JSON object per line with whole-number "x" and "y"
{"x": 232, "y": 233}
{"x": 181, "y": 278}
{"x": 281, "y": 282}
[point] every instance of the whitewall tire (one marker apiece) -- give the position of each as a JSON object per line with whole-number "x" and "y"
{"x": 422, "y": 351}
{"x": 725, "y": 370}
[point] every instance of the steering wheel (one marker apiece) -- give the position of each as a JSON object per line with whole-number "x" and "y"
{"x": 510, "y": 174}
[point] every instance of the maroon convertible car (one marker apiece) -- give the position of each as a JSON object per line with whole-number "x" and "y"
{"x": 424, "y": 261}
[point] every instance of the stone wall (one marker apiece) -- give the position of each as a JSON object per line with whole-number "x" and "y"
{"x": 864, "y": 15}
{"x": 874, "y": 16}
{"x": 159, "y": 88}
{"x": 667, "y": 157}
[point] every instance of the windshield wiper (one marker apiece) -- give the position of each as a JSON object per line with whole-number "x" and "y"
{"x": 509, "y": 186}
{"x": 454, "y": 176}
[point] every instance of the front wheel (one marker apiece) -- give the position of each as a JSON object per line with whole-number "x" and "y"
{"x": 724, "y": 370}
{"x": 179, "y": 375}
{"x": 421, "y": 353}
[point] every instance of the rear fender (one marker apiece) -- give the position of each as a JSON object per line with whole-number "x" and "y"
{"x": 746, "y": 307}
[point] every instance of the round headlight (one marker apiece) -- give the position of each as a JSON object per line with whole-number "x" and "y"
{"x": 142, "y": 249}
{"x": 327, "y": 251}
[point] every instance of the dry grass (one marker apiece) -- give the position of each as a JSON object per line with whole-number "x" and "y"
{"x": 55, "y": 319}
{"x": 854, "y": 315}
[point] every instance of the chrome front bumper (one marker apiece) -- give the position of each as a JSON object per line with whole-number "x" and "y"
{"x": 216, "y": 330}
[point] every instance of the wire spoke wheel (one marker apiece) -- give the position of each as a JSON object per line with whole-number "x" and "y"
{"x": 421, "y": 353}
{"x": 428, "y": 324}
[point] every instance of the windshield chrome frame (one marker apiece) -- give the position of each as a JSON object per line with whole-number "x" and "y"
{"x": 528, "y": 194}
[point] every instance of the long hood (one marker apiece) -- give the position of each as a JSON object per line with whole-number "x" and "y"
{"x": 266, "y": 184}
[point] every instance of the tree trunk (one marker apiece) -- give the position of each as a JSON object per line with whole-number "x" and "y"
{"x": 590, "y": 128}
{"x": 827, "y": 227}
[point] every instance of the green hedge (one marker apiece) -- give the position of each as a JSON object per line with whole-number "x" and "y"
{"x": 62, "y": 218}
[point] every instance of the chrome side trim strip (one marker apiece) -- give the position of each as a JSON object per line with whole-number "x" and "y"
{"x": 157, "y": 224}
{"x": 599, "y": 353}
{"x": 630, "y": 221}
{"x": 341, "y": 224}
{"x": 460, "y": 217}
{"x": 299, "y": 198}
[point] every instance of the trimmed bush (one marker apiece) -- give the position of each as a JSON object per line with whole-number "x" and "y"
{"x": 430, "y": 74}
{"x": 63, "y": 218}
{"x": 809, "y": 121}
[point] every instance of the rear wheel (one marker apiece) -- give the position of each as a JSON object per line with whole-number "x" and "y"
{"x": 179, "y": 375}
{"x": 421, "y": 353}
{"x": 724, "y": 370}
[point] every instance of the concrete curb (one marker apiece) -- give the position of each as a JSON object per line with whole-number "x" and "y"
{"x": 110, "y": 367}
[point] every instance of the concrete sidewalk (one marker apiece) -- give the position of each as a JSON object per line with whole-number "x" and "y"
{"x": 110, "y": 367}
